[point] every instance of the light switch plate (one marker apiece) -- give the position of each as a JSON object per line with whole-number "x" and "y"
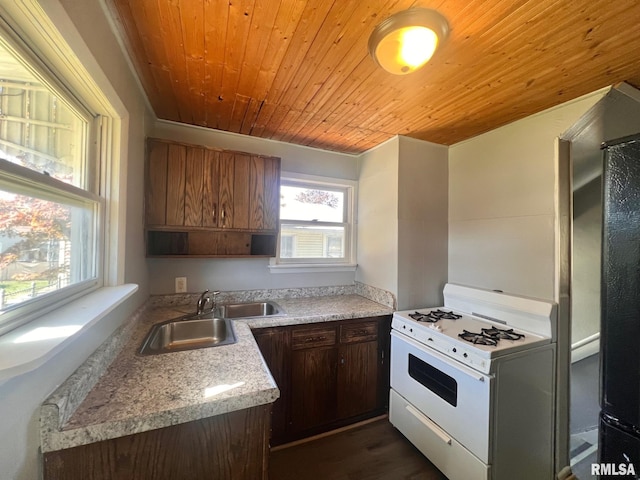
{"x": 181, "y": 284}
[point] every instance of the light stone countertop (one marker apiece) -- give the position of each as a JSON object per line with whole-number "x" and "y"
{"x": 140, "y": 393}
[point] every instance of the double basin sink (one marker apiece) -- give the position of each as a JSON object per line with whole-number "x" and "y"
{"x": 209, "y": 329}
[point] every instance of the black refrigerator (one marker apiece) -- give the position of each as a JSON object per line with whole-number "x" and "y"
{"x": 619, "y": 433}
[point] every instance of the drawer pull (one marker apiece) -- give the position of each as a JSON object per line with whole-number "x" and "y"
{"x": 441, "y": 434}
{"x": 314, "y": 339}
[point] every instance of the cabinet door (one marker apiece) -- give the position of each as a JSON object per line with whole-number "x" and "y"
{"x": 271, "y": 193}
{"x": 264, "y": 204}
{"x": 357, "y": 391}
{"x": 274, "y": 346}
{"x": 313, "y": 387}
{"x": 211, "y": 189}
{"x": 176, "y": 182}
{"x": 194, "y": 187}
{"x": 156, "y": 183}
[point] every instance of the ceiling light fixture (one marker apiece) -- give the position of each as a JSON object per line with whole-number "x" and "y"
{"x": 405, "y": 41}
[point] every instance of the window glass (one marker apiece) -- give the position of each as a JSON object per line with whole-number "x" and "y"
{"x": 310, "y": 241}
{"x": 44, "y": 245}
{"x": 315, "y": 221}
{"x": 49, "y": 207}
{"x": 311, "y": 204}
{"x": 38, "y": 130}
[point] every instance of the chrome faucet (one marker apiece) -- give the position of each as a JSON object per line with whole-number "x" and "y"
{"x": 214, "y": 299}
{"x": 202, "y": 302}
{"x": 205, "y": 299}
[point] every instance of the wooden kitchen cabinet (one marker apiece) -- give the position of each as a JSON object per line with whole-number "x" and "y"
{"x": 329, "y": 374}
{"x": 314, "y": 358}
{"x": 232, "y": 446}
{"x": 207, "y": 202}
{"x": 274, "y": 346}
{"x": 358, "y": 369}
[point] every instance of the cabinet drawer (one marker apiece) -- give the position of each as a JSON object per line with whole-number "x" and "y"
{"x": 313, "y": 337}
{"x": 359, "y": 332}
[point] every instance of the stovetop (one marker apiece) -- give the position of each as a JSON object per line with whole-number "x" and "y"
{"x": 442, "y": 328}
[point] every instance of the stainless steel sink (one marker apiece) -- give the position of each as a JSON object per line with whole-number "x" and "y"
{"x": 249, "y": 310}
{"x": 188, "y": 334}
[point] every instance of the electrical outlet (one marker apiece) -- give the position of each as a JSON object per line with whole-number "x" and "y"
{"x": 181, "y": 284}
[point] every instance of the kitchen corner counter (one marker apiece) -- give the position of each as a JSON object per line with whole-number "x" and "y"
{"x": 140, "y": 393}
{"x": 137, "y": 393}
{"x": 321, "y": 309}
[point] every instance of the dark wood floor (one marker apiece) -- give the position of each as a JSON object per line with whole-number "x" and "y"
{"x": 376, "y": 451}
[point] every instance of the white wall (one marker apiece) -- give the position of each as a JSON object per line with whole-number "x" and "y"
{"x": 21, "y": 396}
{"x": 587, "y": 244}
{"x": 402, "y": 220}
{"x": 502, "y": 197}
{"x": 422, "y": 223}
{"x": 253, "y": 273}
{"x": 378, "y": 217}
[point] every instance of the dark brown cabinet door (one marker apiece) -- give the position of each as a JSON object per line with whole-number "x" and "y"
{"x": 313, "y": 387}
{"x": 230, "y": 446}
{"x": 329, "y": 374}
{"x": 274, "y": 346}
{"x": 357, "y": 379}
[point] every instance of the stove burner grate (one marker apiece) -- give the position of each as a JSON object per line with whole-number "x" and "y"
{"x": 478, "y": 338}
{"x": 434, "y": 315}
{"x": 499, "y": 333}
{"x": 490, "y": 336}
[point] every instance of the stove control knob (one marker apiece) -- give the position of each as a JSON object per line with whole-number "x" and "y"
{"x": 465, "y": 355}
{"x": 454, "y": 350}
{"x": 411, "y": 330}
{"x": 404, "y": 326}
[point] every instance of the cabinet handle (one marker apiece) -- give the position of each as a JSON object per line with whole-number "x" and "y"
{"x": 429, "y": 424}
{"x": 314, "y": 339}
{"x": 223, "y": 217}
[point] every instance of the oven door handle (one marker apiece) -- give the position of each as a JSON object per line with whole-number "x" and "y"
{"x": 441, "y": 434}
{"x": 434, "y": 353}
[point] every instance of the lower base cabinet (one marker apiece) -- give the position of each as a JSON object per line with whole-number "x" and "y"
{"x": 329, "y": 374}
{"x": 234, "y": 446}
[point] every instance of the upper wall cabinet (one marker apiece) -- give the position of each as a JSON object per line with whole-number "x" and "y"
{"x": 209, "y": 202}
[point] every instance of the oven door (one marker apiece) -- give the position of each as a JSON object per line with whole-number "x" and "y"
{"x": 454, "y": 397}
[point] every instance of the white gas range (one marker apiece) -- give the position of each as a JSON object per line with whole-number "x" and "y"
{"x": 472, "y": 384}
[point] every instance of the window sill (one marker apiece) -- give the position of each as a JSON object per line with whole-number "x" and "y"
{"x": 311, "y": 267}
{"x": 30, "y": 346}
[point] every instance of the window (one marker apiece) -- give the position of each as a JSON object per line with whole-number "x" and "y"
{"x": 50, "y": 210}
{"x": 316, "y": 221}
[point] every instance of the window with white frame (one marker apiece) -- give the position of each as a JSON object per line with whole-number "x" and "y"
{"x": 316, "y": 221}
{"x": 50, "y": 208}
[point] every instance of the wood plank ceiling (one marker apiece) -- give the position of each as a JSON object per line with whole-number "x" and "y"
{"x": 299, "y": 71}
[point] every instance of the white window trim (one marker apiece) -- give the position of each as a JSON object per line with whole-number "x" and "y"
{"x": 277, "y": 265}
{"x": 46, "y": 29}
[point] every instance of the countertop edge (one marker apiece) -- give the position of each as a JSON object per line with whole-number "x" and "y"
{"x": 64, "y": 439}
{"x": 54, "y": 411}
